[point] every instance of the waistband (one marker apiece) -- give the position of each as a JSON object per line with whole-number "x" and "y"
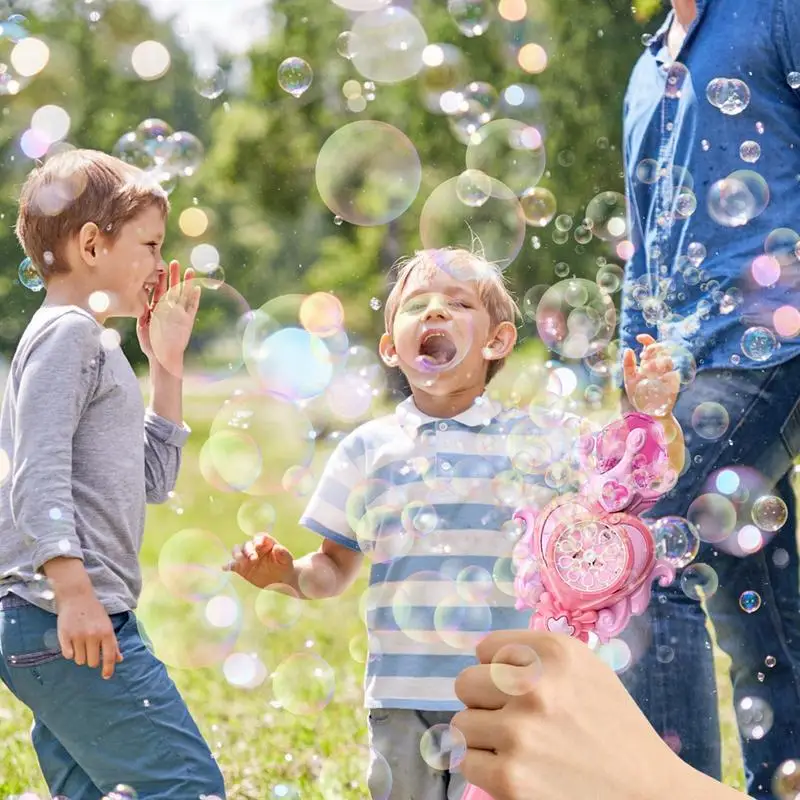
{"x": 12, "y": 601}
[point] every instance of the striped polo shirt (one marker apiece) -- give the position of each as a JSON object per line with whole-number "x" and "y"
{"x": 429, "y": 502}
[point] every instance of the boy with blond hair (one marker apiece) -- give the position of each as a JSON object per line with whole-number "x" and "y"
{"x": 83, "y": 457}
{"x": 426, "y": 494}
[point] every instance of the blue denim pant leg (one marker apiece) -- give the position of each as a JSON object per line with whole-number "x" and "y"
{"x": 678, "y": 693}
{"x": 91, "y": 734}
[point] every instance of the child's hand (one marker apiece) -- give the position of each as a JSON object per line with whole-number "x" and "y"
{"x": 263, "y": 562}
{"x": 165, "y": 328}
{"x": 86, "y": 634}
{"x": 652, "y": 387}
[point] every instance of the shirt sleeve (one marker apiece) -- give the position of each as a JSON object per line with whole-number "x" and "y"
{"x": 337, "y": 503}
{"x": 163, "y": 442}
{"x": 58, "y": 378}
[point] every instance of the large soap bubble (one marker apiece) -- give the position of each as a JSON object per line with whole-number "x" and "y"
{"x": 368, "y": 173}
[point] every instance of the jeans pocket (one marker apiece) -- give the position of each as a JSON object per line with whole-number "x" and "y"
{"x": 36, "y": 659}
{"x": 378, "y": 716}
{"x": 790, "y": 432}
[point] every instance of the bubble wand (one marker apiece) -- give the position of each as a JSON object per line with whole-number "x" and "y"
{"x": 586, "y": 562}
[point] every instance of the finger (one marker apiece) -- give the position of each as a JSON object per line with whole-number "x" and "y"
{"x": 483, "y": 769}
{"x": 482, "y": 730}
{"x": 110, "y": 653}
{"x": 645, "y": 339}
{"x": 490, "y": 645}
{"x": 476, "y": 688}
{"x": 249, "y": 551}
{"x": 79, "y": 651}
{"x": 281, "y": 554}
{"x": 264, "y": 544}
{"x": 189, "y": 274}
{"x": 175, "y": 276}
{"x": 629, "y": 366}
{"x": 67, "y": 650}
{"x": 160, "y": 290}
{"x": 93, "y": 652}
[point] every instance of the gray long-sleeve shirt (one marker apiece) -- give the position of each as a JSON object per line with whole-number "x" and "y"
{"x": 79, "y": 459}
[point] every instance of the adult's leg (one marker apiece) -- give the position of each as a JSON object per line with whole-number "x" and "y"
{"x": 761, "y": 405}
{"x": 133, "y": 729}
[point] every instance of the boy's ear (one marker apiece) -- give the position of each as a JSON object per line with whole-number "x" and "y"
{"x": 387, "y": 351}
{"x": 89, "y": 243}
{"x": 501, "y": 342}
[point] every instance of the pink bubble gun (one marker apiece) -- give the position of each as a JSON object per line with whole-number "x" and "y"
{"x": 586, "y": 562}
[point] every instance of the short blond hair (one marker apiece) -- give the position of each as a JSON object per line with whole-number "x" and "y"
{"x": 462, "y": 265}
{"x": 75, "y": 187}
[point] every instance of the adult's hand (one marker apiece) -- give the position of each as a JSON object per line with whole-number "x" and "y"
{"x": 563, "y": 728}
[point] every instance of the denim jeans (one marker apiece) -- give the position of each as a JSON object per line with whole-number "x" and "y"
{"x": 91, "y": 734}
{"x": 673, "y": 681}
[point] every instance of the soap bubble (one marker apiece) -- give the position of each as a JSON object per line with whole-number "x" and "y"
{"x": 473, "y": 187}
{"x": 608, "y": 213}
{"x": 759, "y": 343}
{"x": 255, "y": 516}
{"x": 574, "y": 318}
{"x": 475, "y": 105}
{"x": 295, "y": 76}
{"x": 303, "y": 684}
{"x": 676, "y": 78}
{"x": 713, "y": 517}
{"x": 155, "y": 137}
{"x": 699, "y": 581}
{"x": 734, "y": 97}
{"x": 696, "y": 253}
{"x": 368, "y": 172}
{"x": 471, "y": 16}
{"x": 210, "y": 82}
{"x": 538, "y": 205}
{"x": 186, "y": 154}
{"x": 710, "y": 420}
{"x": 516, "y": 669}
{"x": 786, "y": 780}
{"x": 735, "y": 200}
{"x": 498, "y": 224}
{"x": 189, "y": 564}
{"x": 769, "y": 513}
{"x": 388, "y": 44}
{"x": 510, "y": 151}
{"x": 344, "y": 45}
{"x": 653, "y": 396}
{"x": 443, "y": 747}
{"x": 755, "y": 717}
{"x": 750, "y": 151}
{"x": 676, "y": 540}
{"x": 29, "y": 277}
{"x": 279, "y": 607}
{"x": 749, "y": 601}
{"x": 462, "y": 624}
{"x": 793, "y": 79}
{"x": 443, "y": 74}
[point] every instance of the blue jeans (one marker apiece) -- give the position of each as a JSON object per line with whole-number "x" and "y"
{"x": 673, "y": 681}
{"x": 91, "y": 734}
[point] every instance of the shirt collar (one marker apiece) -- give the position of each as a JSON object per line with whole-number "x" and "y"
{"x": 659, "y": 40}
{"x": 480, "y": 413}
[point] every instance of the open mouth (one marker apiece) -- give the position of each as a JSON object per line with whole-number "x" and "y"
{"x": 436, "y": 350}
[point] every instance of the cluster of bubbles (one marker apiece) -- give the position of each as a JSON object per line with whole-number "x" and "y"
{"x": 164, "y": 154}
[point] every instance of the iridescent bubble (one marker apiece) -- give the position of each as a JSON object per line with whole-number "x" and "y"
{"x": 786, "y": 780}
{"x": 295, "y": 76}
{"x": 420, "y": 519}
{"x": 186, "y": 154}
{"x": 608, "y": 214}
{"x": 443, "y": 747}
{"x": 29, "y": 276}
{"x": 303, "y": 684}
{"x": 699, "y": 581}
{"x": 462, "y": 624}
{"x": 255, "y": 516}
{"x": 755, "y": 717}
{"x": 516, "y": 669}
{"x": 609, "y": 278}
{"x": 676, "y": 78}
{"x": 503, "y": 574}
{"x": 267, "y": 422}
{"x": 730, "y": 95}
{"x": 473, "y": 187}
{"x": 510, "y": 151}
{"x": 538, "y": 205}
{"x": 443, "y": 74}
{"x": 210, "y": 82}
{"x": 793, "y": 79}
{"x": 498, "y": 224}
{"x": 686, "y": 203}
{"x": 758, "y": 343}
{"x": 155, "y": 137}
{"x": 471, "y": 16}
{"x": 713, "y": 517}
{"x": 676, "y": 540}
{"x": 682, "y": 361}
{"x": 769, "y": 513}
{"x": 781, "y": 245}
{"x": 749, "y": 601}
{"x": 368, "y": 172}
{"x": 710, "y": 420}
{"x": 696, "y": 253}
{"x": 571, "y": 325}
{"x": 344, "y": 44}
{"x": 653, "y": 396}
{"x": 647, "y": 170}
{"x": 279, "y": 607}
{"x": 189, "y": 564}
{"x": 617, "y": 654}
{"x": 735, "y": 200}
{"x": 420, "y": 590}
{"x": 475, "y": 105}
{"x": 750, "y": 151}
{"x": 388, "y": 44}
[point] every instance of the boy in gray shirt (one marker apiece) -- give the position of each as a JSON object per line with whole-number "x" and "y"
{"x": 83, "y": 457}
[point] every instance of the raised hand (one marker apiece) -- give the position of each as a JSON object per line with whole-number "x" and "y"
{"x": 165, "y": 328}
{"x": 652, "y": 386}
{"x": 263, "y": 562}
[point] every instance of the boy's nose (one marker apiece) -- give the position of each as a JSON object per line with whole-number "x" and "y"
{"x": 436, "y": 309}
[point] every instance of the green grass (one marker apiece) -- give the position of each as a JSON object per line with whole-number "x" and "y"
{"x": 259, "y": 744}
